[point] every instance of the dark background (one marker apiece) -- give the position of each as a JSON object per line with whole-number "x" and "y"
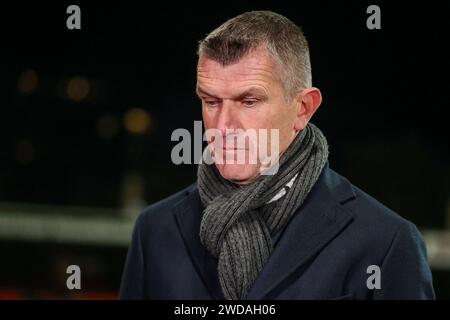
{"x": 384, "y": 112}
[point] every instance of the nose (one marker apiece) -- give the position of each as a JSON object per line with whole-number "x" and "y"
{"x": 227, "y": 117}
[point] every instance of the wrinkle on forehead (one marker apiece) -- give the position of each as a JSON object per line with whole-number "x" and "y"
{"x": 256, "y": 68}
{"x": 245, "y": 66}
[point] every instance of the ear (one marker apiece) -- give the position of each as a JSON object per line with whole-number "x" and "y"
{"x": 308, "y": 101}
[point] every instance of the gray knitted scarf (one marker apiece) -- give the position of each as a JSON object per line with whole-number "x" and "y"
{"x": 239, "y": 221}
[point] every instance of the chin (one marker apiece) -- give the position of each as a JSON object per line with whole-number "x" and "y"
{"x": 238, "y": 173}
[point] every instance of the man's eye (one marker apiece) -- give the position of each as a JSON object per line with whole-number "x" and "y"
{"x": 249, "y": 103}
{"x": 211, "y": 103}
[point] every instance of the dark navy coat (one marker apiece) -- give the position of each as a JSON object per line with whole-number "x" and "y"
{"x": 323, "y": 253}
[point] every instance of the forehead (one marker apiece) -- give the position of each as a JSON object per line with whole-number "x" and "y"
{"x": 254, "y": 69}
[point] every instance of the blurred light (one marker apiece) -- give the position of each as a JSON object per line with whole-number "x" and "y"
{"x": 78, "y": 88}
{"x": 108, "y": 127}
{"x": 28, "y": 82}
{"x": 137, "y": 121}
{"x": 133, "y": 187}
{"x": 25, "y": 152}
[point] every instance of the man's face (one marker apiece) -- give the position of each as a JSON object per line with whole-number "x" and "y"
{"x": 242, "y": 96}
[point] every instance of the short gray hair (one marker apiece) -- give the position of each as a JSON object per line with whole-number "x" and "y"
{"x": 283, "y": 39}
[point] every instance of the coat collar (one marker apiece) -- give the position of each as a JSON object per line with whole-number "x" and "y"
{"x": 317, "y": 222}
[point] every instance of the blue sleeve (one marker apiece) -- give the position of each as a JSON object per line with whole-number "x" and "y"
{"x": 405, "y": 273}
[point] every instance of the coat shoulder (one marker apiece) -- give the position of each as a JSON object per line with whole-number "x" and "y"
{"x": 159, "y": 211}
{"x": 376, "y": 213}
{"x": 373, "y": 217}
{"x": 381, "y": 237}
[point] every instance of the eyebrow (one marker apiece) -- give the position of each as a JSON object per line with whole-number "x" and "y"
{"x": 252, "y": 91}
{"x": 201, "y": 91}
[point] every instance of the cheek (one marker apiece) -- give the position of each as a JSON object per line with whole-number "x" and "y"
{"x": 207, "y": 119}
{"x": 266, "y": 117}
{"x": 282, "y": 118}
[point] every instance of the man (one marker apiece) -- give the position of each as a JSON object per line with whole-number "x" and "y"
{"x": 300, "y": 232}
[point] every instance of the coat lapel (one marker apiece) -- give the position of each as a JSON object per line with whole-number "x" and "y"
{"x": 187, "y": 215}
{"x": 315, "y": 224}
